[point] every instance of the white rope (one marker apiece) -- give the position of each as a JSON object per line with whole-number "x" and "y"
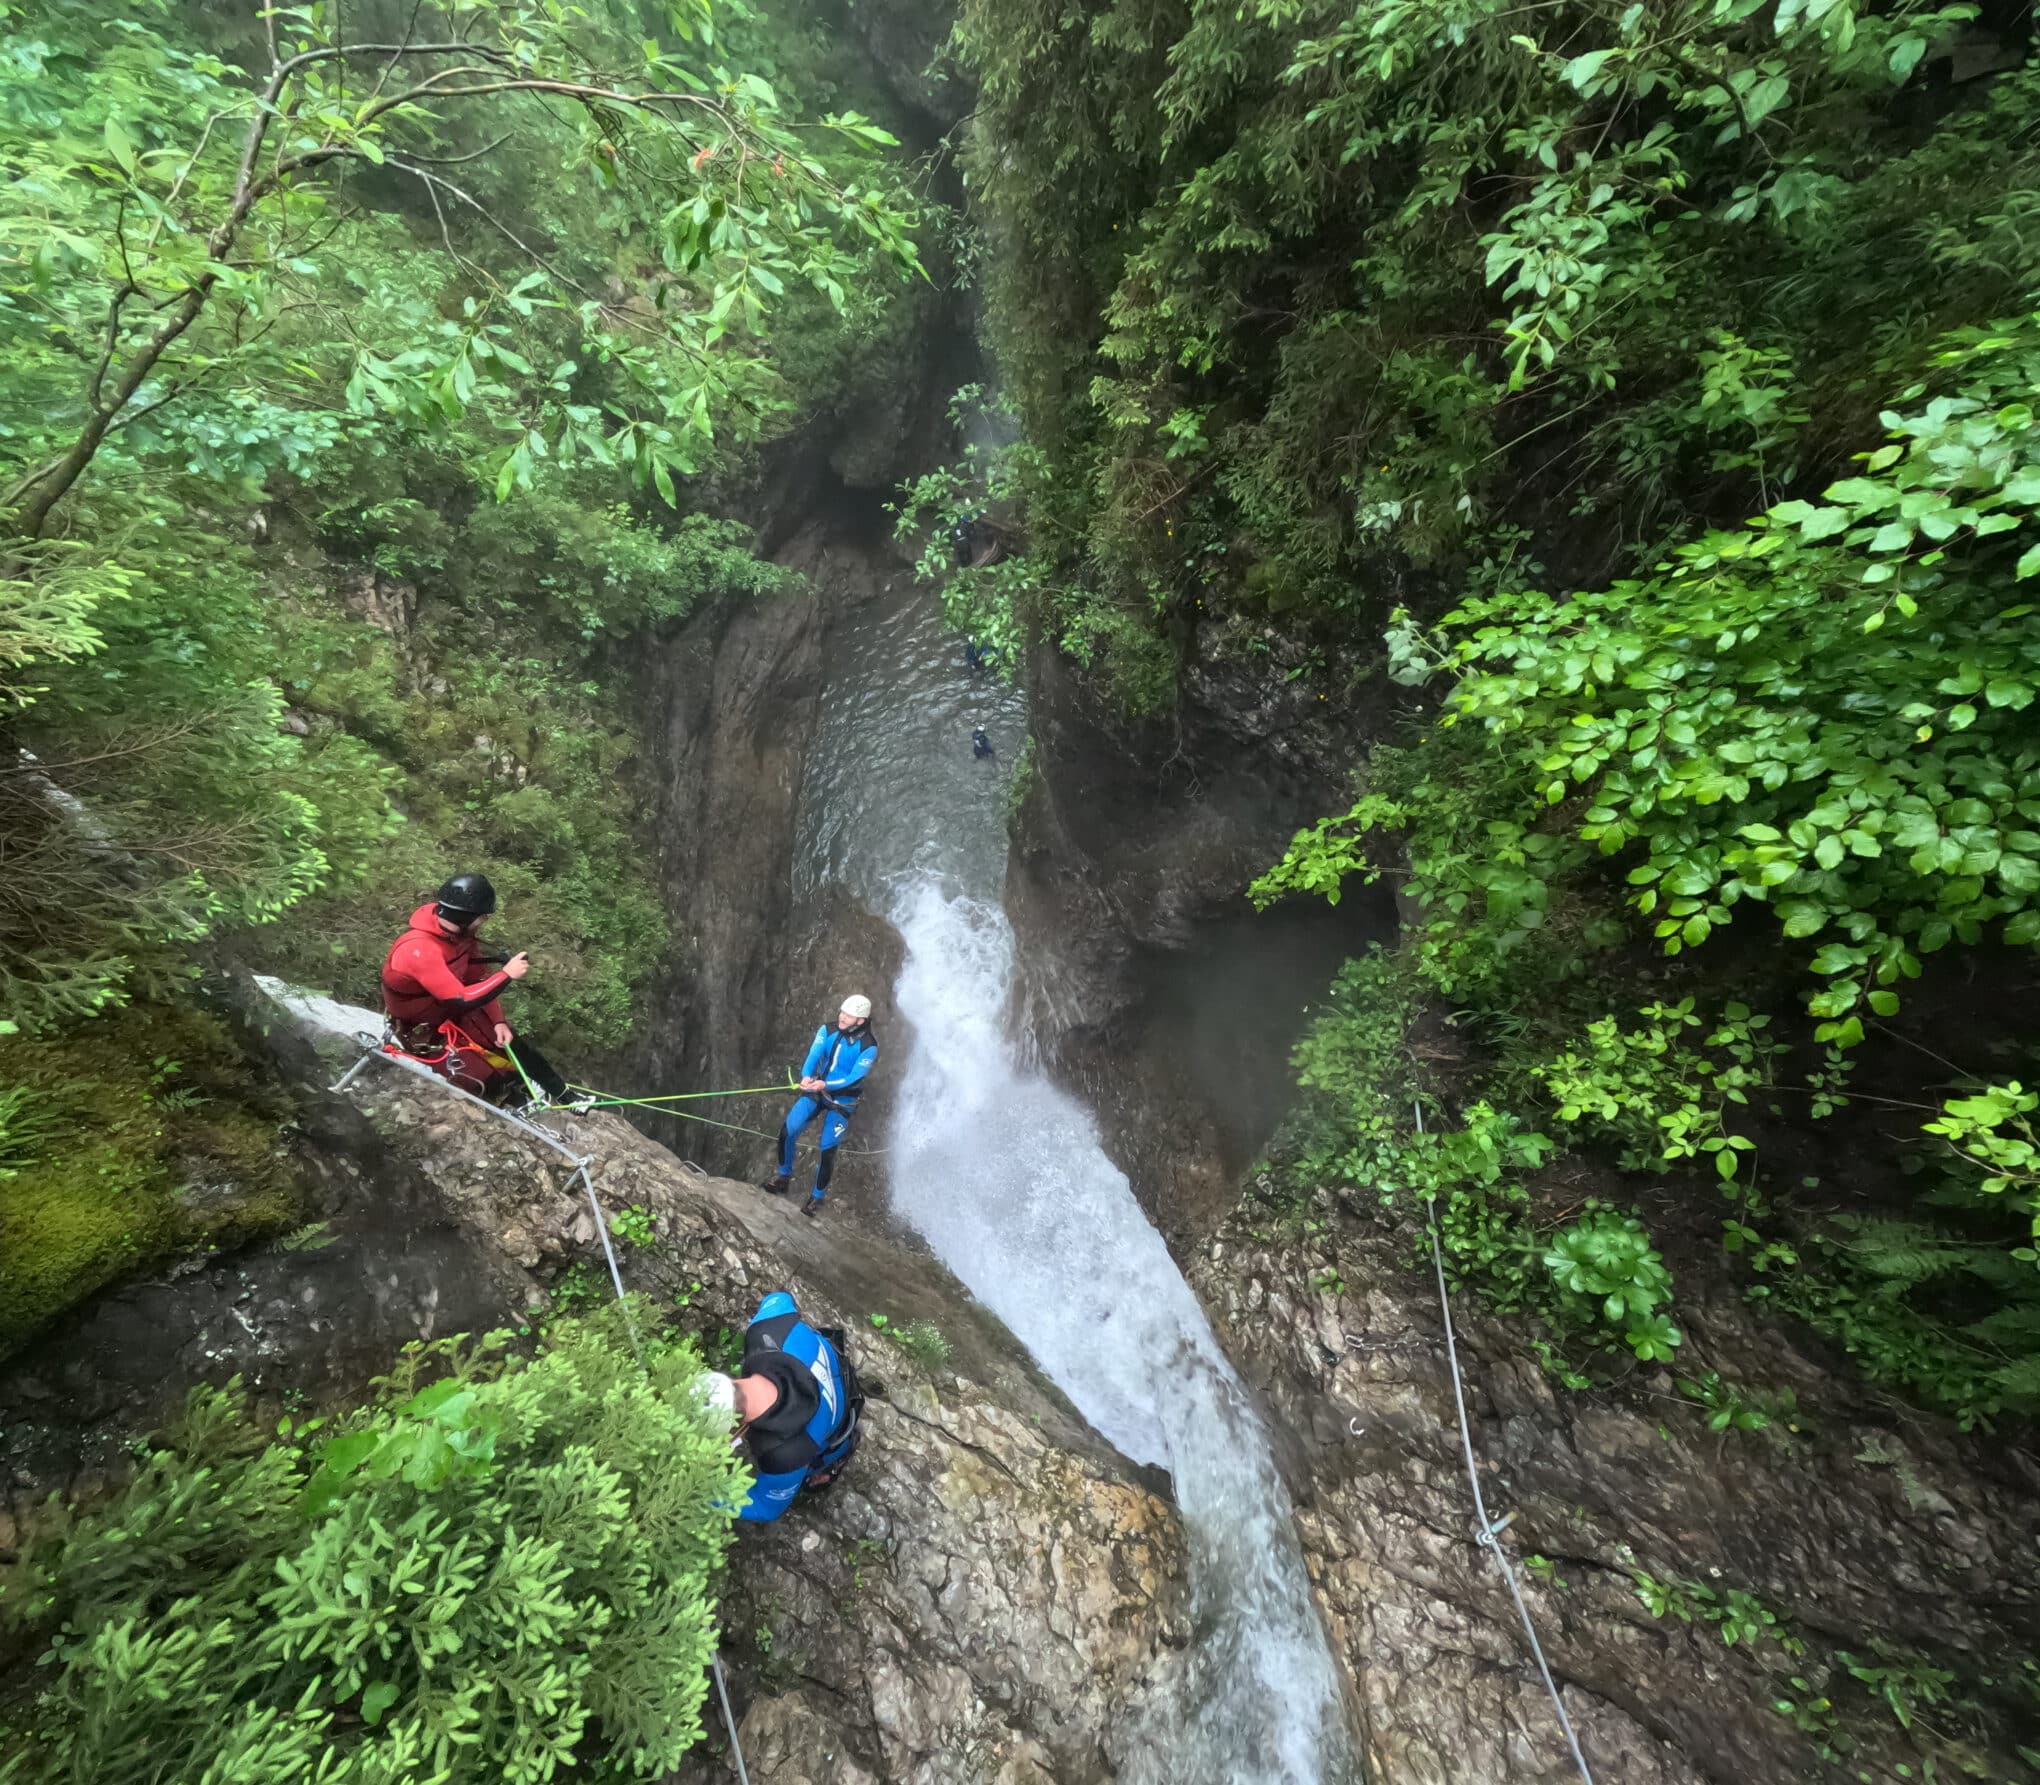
{"x": 581, "y": 1162}
{"x": 544, "y": 1137}
{"x": 729, "y": 1722}
{"x": 609, "y": 1252}
{"x": 1486, "y": 1533}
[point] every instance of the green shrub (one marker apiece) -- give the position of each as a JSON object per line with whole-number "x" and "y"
{"x": 497, "y": 1577}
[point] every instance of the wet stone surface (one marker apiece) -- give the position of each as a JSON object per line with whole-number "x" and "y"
{"x": 990, "y": 1592}
{"x": 1863, "y": 1526}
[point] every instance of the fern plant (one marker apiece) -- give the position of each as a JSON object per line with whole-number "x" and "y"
{"x": 502, "y": 1575}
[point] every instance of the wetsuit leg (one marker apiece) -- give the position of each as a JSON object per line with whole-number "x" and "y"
{"x": 834, "y": 1126}
{"x": 797, "y": 1118}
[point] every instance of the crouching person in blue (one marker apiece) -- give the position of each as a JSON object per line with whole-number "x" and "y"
{"x": 797, "y": 1403}
{"x": 831, "y": 1081}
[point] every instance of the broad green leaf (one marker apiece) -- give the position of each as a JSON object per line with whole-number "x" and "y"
{"x": 120, "y": 146}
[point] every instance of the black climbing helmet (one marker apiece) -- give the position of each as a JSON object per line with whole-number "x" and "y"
{"x": 465, "y": 897}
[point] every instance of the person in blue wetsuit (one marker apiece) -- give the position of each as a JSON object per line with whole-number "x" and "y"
{"x": 831, "y": 1081}
{"x": 798, "y": 1402}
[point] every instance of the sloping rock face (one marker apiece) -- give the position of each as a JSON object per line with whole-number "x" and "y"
{"x": 988, "y": 1591}
{"x": 1867, "y": 1531}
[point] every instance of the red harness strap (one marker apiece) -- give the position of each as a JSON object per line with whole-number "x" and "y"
{"x": 461, "y": 1060}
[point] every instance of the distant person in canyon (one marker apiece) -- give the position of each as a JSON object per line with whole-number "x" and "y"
{"x": 980, "y": 744}
{"x": 442, "y": 993}
{"x": 797, "y": 1403}
{"x": 963, "y": 540}
{"x": 831, "y": 1081}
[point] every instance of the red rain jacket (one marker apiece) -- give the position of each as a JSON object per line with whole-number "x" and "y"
{"x": 432, "y": 978}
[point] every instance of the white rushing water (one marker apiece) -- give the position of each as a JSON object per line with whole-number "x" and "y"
{"x": 1003, "y": 1174}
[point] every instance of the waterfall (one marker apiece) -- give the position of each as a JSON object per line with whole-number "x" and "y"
{"x": 1002, "y": 1173}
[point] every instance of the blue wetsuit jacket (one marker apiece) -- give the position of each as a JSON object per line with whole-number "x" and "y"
{"x": 814, "y": 1423}
{"x": 841, "y": 1058}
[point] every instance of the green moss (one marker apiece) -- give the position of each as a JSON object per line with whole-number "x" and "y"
{"x": 141, "y": 1134}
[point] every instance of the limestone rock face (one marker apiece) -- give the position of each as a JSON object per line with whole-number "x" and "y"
{"x": 989, "y": 1592}
{"x": 903, "y": 40}
{"x": 1866, "y": 1525}
{"x": 986, "y": 1593}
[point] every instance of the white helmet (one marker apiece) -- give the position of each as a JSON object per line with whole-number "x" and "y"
{"x": 859, "y": 1006}
{"x": 717, "y": 1391}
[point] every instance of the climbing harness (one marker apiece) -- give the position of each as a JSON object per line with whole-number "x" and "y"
{"x": 1487, "y": 1533}
{"x": 581, "y": 1162}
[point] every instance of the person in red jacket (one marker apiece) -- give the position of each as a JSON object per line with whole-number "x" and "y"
{"x": 441, "y": 995}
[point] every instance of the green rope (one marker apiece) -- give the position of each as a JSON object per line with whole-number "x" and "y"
{"x": 530, "y": 1089}
{"x": 687, "y": 1096}
{"x": 657, "y": 1105}
{"x": 683, "y": 1114}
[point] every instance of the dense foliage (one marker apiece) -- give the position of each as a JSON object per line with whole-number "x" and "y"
{"x": 341, "y": 283}
{"x": 369, "y": 380}
{"x": 499, "y": 1569}
{"x": 1451, "y": 345}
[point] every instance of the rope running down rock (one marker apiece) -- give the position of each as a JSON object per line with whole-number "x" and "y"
{"x": 1487, "y": 1533}
{"x": 581, "y": 1164}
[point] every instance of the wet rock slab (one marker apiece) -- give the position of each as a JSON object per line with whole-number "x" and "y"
{"x": 988, "y": 1589}
{"x": 1868, "y": 1525}
{"x": 989, "y": 1593}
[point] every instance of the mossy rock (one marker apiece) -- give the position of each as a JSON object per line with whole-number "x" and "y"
{"x": 141, "y": 1134}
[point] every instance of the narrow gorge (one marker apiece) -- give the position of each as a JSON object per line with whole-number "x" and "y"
{"x": 594, "y": 437}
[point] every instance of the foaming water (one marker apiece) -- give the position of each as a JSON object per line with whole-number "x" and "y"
{"x": 1002, "y": 1173}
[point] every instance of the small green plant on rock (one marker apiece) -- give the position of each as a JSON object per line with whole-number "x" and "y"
{"x": 1729, "y": 1408}
{"x": 1812, "y": 1713}
{"x": 575, "y": 1289}
{"x": 636, "y": 1227}
{"x": 1741, "y": 1616}
{"x": 1607, "y": 1263}
{"x": 726, "y": 1350}
{"x": 862, "y": 1553}
{"x": 921, "y": 1340}
{"x": 1906, "y": 1682}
